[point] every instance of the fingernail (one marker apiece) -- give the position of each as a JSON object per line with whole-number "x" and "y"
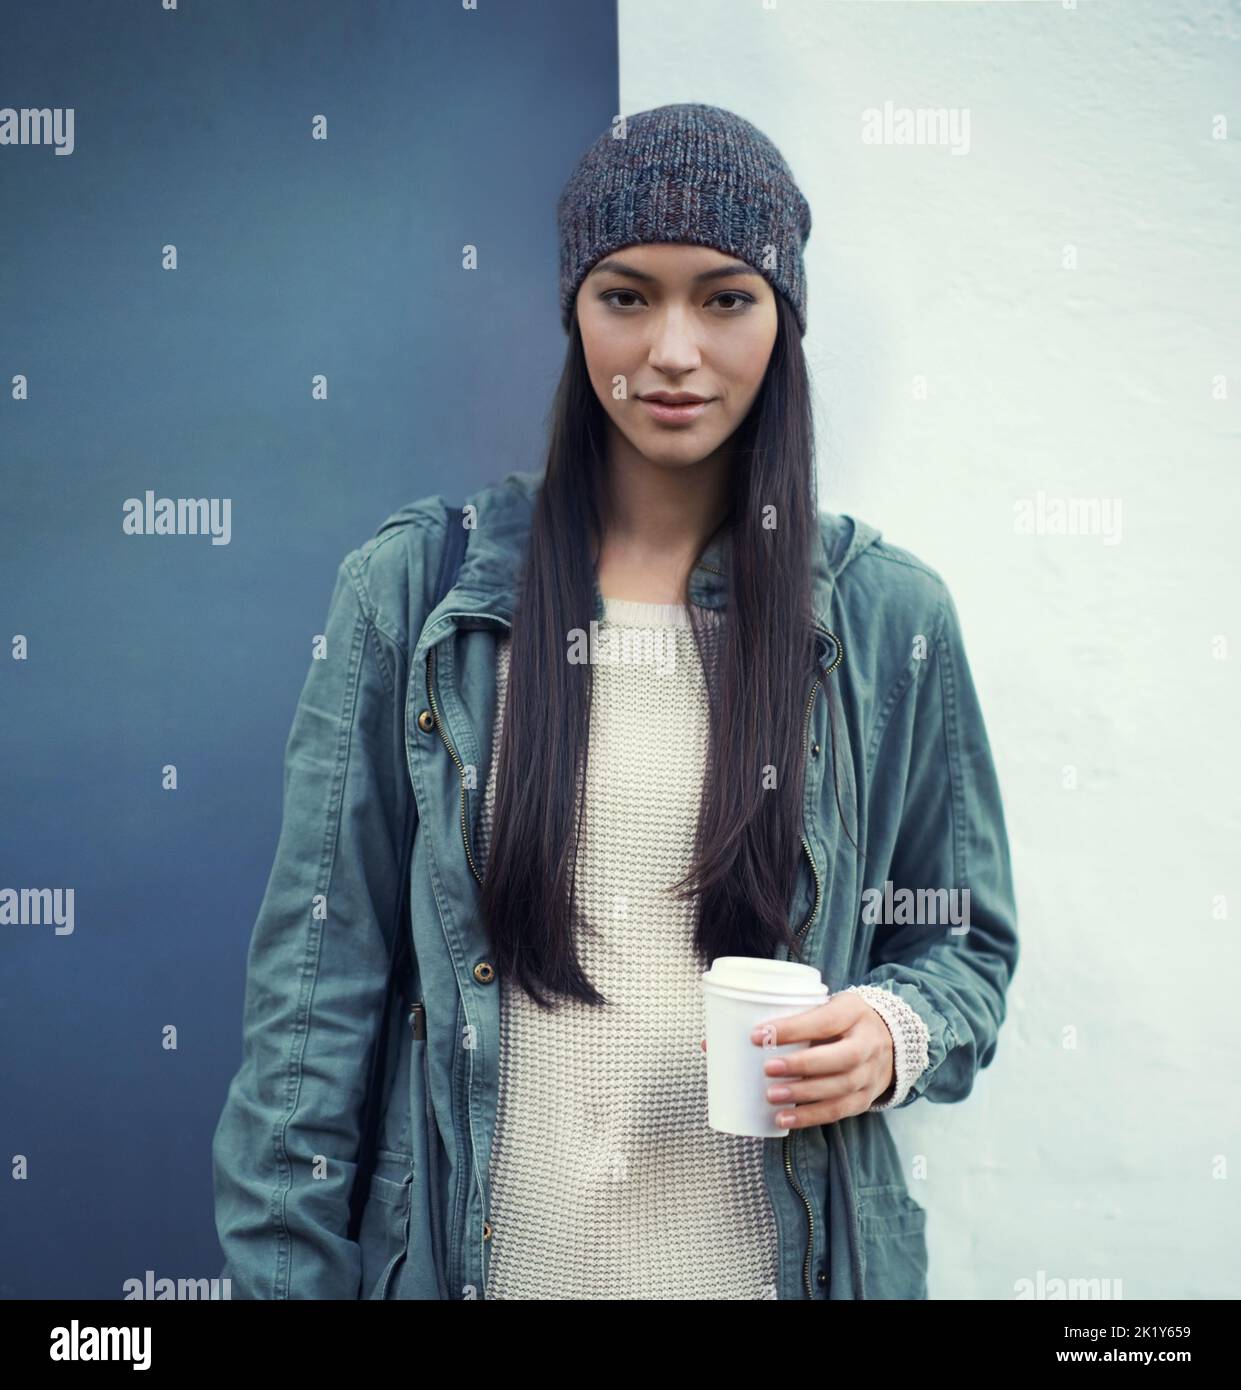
{"x": 776, "y": 1094}
{"x": 784, "y": 1118}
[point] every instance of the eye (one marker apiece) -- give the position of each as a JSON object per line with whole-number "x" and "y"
{"x": 743, "y": 300}
{"x": 607, "y": 297}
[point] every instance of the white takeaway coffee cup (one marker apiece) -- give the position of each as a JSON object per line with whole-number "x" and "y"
{"x": 740, "y": 992}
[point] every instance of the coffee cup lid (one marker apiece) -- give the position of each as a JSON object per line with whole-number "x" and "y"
{"x": 757, "y": 973}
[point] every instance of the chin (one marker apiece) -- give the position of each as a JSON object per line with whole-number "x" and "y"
{"x": 676, "y": 448}
{"x": 684, "y": 457}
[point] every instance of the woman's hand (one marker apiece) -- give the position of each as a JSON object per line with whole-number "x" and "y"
{"x": 848, "y": 1064}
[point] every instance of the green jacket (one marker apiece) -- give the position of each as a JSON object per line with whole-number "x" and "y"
{"x": 402, "y": 704}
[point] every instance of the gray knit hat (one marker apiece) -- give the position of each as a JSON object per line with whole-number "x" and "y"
{"x": 691, "y": 173}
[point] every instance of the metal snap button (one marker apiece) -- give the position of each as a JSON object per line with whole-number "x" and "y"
{"x": 426, "y": 721}
{"x": 484, "y": 973}
{"x": 814, "y": 751}
{"x": 486, "y": 1230}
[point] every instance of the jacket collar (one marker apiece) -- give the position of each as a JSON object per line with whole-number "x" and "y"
{"x": 485, "y": 589}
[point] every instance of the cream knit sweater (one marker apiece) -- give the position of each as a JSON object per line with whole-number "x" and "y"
{"x": 605, "y": 1179}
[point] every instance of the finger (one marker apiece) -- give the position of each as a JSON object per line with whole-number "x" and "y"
{"x": 823, "y": 1059}
{"x": 823, "y": 1022}
{"x": 824, "y": 1112}
{"x": 790, "y": 1093}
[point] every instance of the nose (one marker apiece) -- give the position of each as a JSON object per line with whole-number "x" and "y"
{"x": 674, "y": 342}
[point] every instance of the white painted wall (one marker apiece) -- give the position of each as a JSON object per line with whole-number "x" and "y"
{"x": 1097, "y": 1144}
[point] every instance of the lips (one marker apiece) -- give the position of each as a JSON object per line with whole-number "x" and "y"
{"x": 674, "y": 397}
{"x": 682, "y": 413}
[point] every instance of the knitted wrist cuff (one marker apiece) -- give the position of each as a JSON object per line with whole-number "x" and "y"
{"x": 910, "y": 1037}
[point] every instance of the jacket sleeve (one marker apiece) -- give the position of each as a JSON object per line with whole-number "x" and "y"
{"x": 951, "y": 835}
{"x": 285, "y": 1148}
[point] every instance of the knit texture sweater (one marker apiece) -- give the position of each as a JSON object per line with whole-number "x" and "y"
{"x": 606, "y": 1181}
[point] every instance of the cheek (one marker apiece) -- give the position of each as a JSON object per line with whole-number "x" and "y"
{"x": 605, "y": 361}
{"x": 742, "y": 362}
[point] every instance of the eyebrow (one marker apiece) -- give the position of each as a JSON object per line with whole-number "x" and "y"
{"x": 623, "y": 268}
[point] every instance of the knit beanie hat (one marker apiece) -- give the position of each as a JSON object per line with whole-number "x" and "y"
{"x": 692, "y": 173}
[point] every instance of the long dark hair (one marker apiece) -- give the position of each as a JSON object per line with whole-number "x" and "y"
{"x": 759, "y": 669}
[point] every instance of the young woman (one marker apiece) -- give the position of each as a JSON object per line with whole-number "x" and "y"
{"x": 668, "y": 711}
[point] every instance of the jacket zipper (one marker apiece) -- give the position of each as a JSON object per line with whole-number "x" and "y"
{"x": 801, "y": 931}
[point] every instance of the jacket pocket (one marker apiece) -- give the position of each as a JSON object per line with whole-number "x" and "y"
{"x": 893, "y": 1228}
{"x": 384, "y": 1233}
{"x": 409, "y": 1134}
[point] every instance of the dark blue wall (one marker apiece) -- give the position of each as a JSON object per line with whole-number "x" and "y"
{"x": 295, "y": 257}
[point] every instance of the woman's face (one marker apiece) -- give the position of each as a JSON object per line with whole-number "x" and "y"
{"x": 680, "y": 319}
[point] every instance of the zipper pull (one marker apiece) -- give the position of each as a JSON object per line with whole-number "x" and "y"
{"x": 418, "y": 1022}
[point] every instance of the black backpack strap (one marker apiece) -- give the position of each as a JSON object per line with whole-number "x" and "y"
{"x": 399, "y": 960}
{"x": 451, "y": 556}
